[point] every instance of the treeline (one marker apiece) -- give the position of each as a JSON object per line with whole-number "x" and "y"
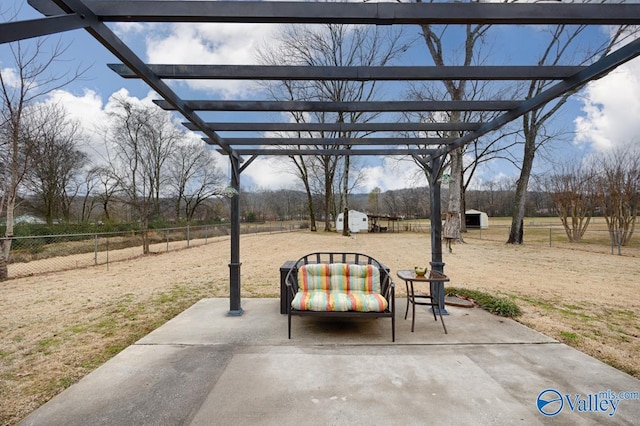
{"x": 263, "y": 205}
{"x": 409, "y": 203}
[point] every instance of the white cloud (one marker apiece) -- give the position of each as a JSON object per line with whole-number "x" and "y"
{"x": 270, "y": 172}
{"x": 276, "y": 173}
{"x": 11, "y": 77}
{"x": 216, "y": 44}
{"x": 611, "y": 108}
{"x": 87, "y": 109}
{"x": 392, "y": 174}
{"x": 91, "y": 112}
{"x": 124, "y": 29}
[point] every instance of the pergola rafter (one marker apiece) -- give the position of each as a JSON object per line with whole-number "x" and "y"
{"x": 357, "y": 73}
{"x": 301, "y": 141}
{"x": 290, "y": 150}
{"x": 292, "y": 12}
{"x": 337, "y": 127}
{"x": 65, "y": 15}
{"x": 327, "y": 106}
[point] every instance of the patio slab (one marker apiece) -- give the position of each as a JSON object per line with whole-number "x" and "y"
{"x": 204, "y": 368}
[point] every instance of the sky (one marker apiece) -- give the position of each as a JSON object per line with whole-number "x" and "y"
{"x": 601, "y": 116}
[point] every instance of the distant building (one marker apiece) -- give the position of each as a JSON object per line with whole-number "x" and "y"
{"x": 358, "y": 221}
{"x": 27, "y": 218}
{"x": 476, "y": 219}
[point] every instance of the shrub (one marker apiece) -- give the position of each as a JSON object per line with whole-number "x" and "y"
{"x": 496, "y": 305}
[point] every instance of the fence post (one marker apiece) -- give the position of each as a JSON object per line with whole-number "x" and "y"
{"x": 188, "y": 236}
{"x": 206, "y": 233}
{"x": 166, "y": 237}
{"x": 549, "y": 236}
{"x": 95, "y": 249}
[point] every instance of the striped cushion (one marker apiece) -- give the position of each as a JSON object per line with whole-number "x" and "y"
{"x": 364, "y": 302}
{"x": 339, "y": 277}
{"x": 338, "y": 301}
{"x": 321, "y": 301}
{"x": 339, "y": 287}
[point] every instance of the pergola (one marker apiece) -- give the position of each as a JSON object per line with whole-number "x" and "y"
{"x": 93, "y": 16}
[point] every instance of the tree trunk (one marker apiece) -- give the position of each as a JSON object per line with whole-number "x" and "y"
{"x": 452, "y": 221}
{"x": 345, "y": 228}
{"x": 145, "y": 236}
{"x": 177, "y": 207}
{"x": 4, "y": 271}
{"x": 516, "y": 234}
{"x": 327, "y": 200}
{"x": 312, "y": 213}
{"x": 463, "y": 209}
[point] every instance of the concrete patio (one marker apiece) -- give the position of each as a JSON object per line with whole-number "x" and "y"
{"x": 204, "y": 368}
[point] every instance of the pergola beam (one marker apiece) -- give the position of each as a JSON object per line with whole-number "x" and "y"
{"x": 331, "y": 151}
{"x": 321, "y": 106}
{"x": 335, "y": 141}
{"x": 336, "y": 127}
{"x": 357, "y": 73}
{"x": 22, "y": 30}
{"x": 359, "y": 13}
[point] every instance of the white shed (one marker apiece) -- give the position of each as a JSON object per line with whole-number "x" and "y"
{"x": 476, "y": 219}
{"x": 358, "y": 221}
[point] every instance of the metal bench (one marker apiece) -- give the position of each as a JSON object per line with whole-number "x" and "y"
{"x": 334, "y": 297}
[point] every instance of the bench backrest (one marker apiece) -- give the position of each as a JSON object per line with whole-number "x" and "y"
{"x": 344, "y": 277}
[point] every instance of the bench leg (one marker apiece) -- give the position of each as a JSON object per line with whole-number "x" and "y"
{"x": 393, "y": 328}
{"x": 289, "y": 321}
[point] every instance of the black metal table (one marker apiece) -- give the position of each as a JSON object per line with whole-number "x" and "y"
{"x": 436, "y": 282}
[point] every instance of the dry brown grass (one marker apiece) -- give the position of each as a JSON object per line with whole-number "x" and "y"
{"x": 55, "y": 328}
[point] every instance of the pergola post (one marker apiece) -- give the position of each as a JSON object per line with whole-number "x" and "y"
{"x": 434, "y": 165}
{"x": 235, "y": 308}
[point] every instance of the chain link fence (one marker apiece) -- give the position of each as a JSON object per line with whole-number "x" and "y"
{"x": 50, "y": 253}
{"x": 542, "y": 233}
{"x": 41, "y": 254}
{"x": 547, "y": 236}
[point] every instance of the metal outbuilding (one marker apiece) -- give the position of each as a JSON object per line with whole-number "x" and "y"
{"x": 358, "y": 221}
{"x": 476, "y": 219}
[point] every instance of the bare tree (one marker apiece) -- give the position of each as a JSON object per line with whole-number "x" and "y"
{"x": 56, "y": 162}
{"x": 571, "y": 190}
{"x": 107, "y": 182}
{"x": 27, "y": 77}
{"x": 303, "y": 173}
{"x": 374, "y": 200}
{"x": 142, "y": 138}
{"x": 89, "y": 197}
{"x": 391, "y": 200}
{"x": 562, "y": 44}
{"x": 618, "y": 191}
{"x": 193, "y": 177}
{"x": 331, "y": 45}
{"x": 473, "y": 37}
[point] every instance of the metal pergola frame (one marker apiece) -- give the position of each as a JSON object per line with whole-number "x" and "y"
{"x": 92, "y": 15}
